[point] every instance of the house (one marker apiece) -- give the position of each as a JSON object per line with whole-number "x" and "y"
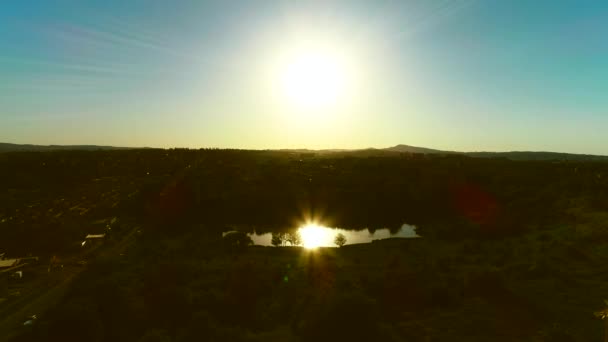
{"x": 6, "y": 263}
{"x": 95, "y": 236}
{"x": 93, "y": 239}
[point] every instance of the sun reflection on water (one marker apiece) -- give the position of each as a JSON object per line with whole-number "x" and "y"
{"x": 313, "y": 235}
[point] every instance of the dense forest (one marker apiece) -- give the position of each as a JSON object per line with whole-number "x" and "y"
{"x": 511, "y": 250}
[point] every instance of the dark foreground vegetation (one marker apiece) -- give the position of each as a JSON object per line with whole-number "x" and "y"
{"x": 511, "y": 250}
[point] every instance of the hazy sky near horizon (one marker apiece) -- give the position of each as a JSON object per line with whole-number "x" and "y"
{"x": 457, "y": 75}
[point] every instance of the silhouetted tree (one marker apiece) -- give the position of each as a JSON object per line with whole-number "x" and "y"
{"x": 340, "y": 240}
{"x": 237, "y": 240}
{"x": 277, "y": 239}
{"x": 294, "y": 239}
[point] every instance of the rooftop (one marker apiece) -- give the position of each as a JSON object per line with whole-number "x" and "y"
{"x": 8, "y": 263}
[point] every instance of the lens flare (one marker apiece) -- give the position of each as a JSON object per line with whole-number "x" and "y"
{"x": 313, "y": 236}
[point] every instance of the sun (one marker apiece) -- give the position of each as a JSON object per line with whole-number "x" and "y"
{"x": 313, "y": 236}
{"x": 314, "y": 78}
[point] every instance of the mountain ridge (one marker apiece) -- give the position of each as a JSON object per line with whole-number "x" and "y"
{"x": 9, "y": 147}
{"x": 367, "y": 152}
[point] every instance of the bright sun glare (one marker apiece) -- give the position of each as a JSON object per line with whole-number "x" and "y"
{"x": 314, "y": 78}
{"x": 313, "y": 236}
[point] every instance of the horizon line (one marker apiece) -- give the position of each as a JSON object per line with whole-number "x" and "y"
{"x": 337, "y": 149}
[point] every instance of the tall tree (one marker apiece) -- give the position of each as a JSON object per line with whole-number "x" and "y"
{"x": 340, "y": 240}
{"x": 294, "y": 239}
{"x": 277, "y": 239}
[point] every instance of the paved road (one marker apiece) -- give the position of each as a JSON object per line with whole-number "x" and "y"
{"x": 49, "y": 289}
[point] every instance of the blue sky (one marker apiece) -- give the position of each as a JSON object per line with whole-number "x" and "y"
{"x": 459, "y": 75}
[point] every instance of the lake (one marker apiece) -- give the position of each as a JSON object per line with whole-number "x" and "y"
{"x": 321, "y": 236}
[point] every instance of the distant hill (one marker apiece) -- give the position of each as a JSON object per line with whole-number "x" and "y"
{"x": 522, "y": 155}
{"x": 368, "y": 152}
{"x": 398, "y": 149}
{"x": 413, "y": 149}
{"x": 6, "y": 147}
{"x": 514, "y": 155}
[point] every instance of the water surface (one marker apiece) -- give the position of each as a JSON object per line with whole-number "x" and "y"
{"x": 324, "y": 236}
